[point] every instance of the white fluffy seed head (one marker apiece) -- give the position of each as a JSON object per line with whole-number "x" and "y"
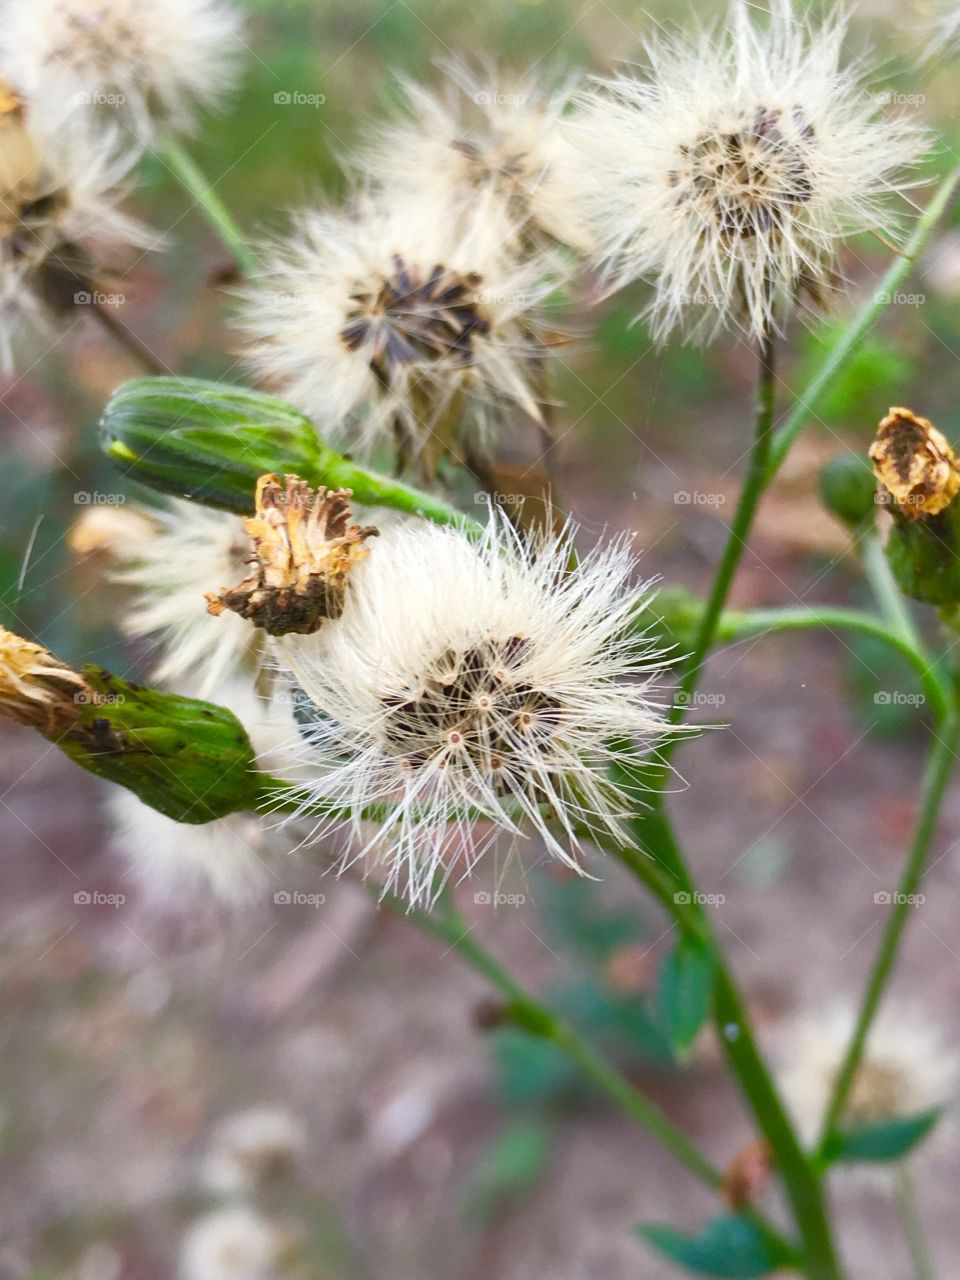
{"x": 396, "y": 324}
{"x": 729, "y": 175}
{"x": 251, "y": 1149}
{"x": 63, "y": 234}
{"x": 907, "y": 1068}
{"x": 149, "y": 66}
{"x": 234, "y": 1243}
{"x": 487, "y": 133}
{"x": 192, "y": 550}
{"x": 469, "y": 687}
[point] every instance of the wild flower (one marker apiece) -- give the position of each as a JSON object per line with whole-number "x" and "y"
{"x": 37, "y": 689}
{"x": 233, "y": 1243}
{"x": 399, "y": 327}
{"x": 730, "y": 174}
{"x": 147, "y": 66}
{"x": 471, "y": 687}
{"x": 169, "y": 571}
{"x": 485, "y": 133}
{"x": 251, "y": 1149}
{"x": 907, "y": 1068}
{"x": 62, "y": 231}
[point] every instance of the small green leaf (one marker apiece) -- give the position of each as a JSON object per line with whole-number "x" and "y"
{"x": 888, "y": 1140}
{"x": 683, "y": 992}
{"x": 730, "y": 1246}
{"x": 509, "y": 1166}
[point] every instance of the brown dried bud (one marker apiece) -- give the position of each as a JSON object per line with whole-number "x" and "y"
{"x": 37, "y": 689}
{"x": 748, "y": 1174}
{"x": 915, "y": 465}
{"x": 303, "y": 550}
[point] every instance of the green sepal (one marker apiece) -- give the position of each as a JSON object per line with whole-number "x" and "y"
{"x": 924, "y": 556}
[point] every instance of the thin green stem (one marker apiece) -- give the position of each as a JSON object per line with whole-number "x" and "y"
{"x": 191, "y": 176}
{"x": 913, "y": 1230}
{"x": 863, "y": 322}
{"x": 761, "y": 622}
{"x": 940, "y": 762}
{"x": 886, "y": 592}
{"x": 445, "y": 923}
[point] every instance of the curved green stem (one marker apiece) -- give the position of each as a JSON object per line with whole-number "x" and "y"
{"x": 940, "y": 762}
{"x": 863, "y": 322}
{"x": 761, "y": 622}
{"x": 191, "y": 176}
{"x": 888, "y": 595}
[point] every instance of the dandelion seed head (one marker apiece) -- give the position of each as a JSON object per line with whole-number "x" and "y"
{"x": 395, "y": 322}
{"x": 252, "y": 1148}
{"x": 487, "y": 132}
{"x": 468, "y": 687}
{"x": 907, "y": 1067}
{"x": 729, "y": 175}
{"x": 150, "y": 66}
{"x": 233, "y": 1243}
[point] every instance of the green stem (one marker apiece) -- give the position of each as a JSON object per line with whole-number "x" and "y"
{"x": 863, "y": 322}
{"x": 655, "y": 864}
{"x": 888, "y": 596}
{"x": 916, "y": 1237}
{"x": 524, "y": 1009}
{"x": 936, "y": 776}
{"x": 761, "y": 622}
{"x": 189, "y": 173}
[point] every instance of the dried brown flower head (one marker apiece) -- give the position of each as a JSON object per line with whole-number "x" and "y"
{"x": 303, "y": 549}
{"x": 915, "y": 464}
{"x": 37, "y": 689}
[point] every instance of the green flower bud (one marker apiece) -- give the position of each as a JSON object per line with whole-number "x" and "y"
{"x": 848, "y": 488}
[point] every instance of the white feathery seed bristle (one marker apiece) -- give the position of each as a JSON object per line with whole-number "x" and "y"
{"x": 730, "y": 173}
{"x": 469, "y": 686}
{"x": 487, "y": 131}
{"x": 192, "y": 551}
{"x": 387, "y": 318}
{"x": 907, "y": 1067}
{"x": 148, "y": 66}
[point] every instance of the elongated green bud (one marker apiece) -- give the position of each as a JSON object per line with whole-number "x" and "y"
{"x": 212, "y": 443}
{"x": 190, "y": 760}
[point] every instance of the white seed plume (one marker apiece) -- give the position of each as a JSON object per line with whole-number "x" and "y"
{"x": 468, "y": 687}
{"x": 63, "y": 235}
{"x": 226, "y": 861}
{"x": 234, "y": 1243}
{"x": 149, "y": 66}
{"x": 192, "y": 550}
{"x": 729, "y": 175}
{"x": 487, "y": 132}
{"x": 399, "y": 321}
{"x": 908, "y": 1067}
{"x": 252, "y": 1148}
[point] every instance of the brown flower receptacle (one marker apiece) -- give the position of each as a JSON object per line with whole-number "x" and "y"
{"x": 304, "y": 547}
{"x": 915, "y": 465}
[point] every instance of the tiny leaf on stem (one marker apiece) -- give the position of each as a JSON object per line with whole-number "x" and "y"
{"x": 684, "y": 990}
{"x": 731, "y": 1246}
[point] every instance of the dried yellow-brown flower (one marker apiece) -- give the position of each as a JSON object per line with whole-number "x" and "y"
{"x": 303, "y": 549}
{"x": 915, "y": 464}
{"x": 37, "y": 689}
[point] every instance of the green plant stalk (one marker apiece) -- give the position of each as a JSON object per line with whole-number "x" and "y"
{"x": 886, "y": 592}
{"x": 734, "y": 1031}
{"x": 916, "y": 1237}
{"x": 940, "y": 762}
{"x": 863, "y": 322}
{"x": 762, "y": 622}
{"x": 191, "y": 177}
